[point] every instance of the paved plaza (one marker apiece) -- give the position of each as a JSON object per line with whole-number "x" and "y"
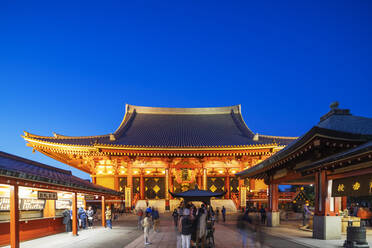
{"x": 125, "y": 234}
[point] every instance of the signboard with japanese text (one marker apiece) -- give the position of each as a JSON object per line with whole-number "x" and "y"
{"x": 47, "y": 195}
{"x": 352, "y": 186}
{"x": 24, "y": 204}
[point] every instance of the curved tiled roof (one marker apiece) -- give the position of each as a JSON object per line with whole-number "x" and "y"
{"x": 366, "y": 147}
{"x": 176, "y": 127}
{"x": 336, "y": 123}
{"x": 21, "y": 168}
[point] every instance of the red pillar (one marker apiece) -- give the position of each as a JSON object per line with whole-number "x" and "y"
{"x": 142, "y": 187}
{"x": 103, "y": 217}
{"x": 74, "y": 214}
{"x": 343, "y": 203}
{"x": 327, "y": 223}
{"x": 273, "y": 198}
{"x": 252, "y": 184}
{"x": 14, "y": 217}
{"x": 322, "y": 200}
{"x": 170, "y": 185}
{"x": 200, "y": 181}
{"x": 227, "y": 186}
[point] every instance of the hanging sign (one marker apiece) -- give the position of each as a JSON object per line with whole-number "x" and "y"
{"x": 352, "y": 186}
{"x": 47, "y": 195}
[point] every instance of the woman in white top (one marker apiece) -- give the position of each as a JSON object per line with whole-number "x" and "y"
{"x": 146, "y": 228}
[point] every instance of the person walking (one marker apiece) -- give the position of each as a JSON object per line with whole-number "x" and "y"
{"x": 90, "y": 214}
{"x": 186, "y": 222}
{"x": 83, "y": 217}
{"x": 263, "y": 215}
{"x": 175, "y": 217}
{"x": 67, "y": 220}
{"x": 223, "y": 213}
{"x": 155, "y": 218}
{"x": 108, "y": 217}
{"x": 140, "y": 216}
{"x": 241, "y": 226}
{"x": 217, "y": 215}
{"x": 146, "y": 228}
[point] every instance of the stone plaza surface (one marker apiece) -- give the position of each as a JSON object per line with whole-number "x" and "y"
{"x": 125, "y": 234}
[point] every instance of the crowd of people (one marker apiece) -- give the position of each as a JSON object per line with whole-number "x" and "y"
{"x": 85, "y": 218}
{"x": 189, "y": 221}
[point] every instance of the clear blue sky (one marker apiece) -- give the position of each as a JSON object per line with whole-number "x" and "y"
{"x": 69, "y": 67}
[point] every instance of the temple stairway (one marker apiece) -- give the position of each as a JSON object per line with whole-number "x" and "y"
{"x": 160, "y": 204}
{"x": 229, "y": 205}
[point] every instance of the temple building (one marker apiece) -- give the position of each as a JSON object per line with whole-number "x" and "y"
{"x": 159, "y": 149}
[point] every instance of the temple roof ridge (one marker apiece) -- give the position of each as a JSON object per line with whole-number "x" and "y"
{"x": 183, "y": 111}
{"x": 276, "y": 137}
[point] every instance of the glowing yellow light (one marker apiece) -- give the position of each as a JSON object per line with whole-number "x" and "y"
{"x": 234, "y": 171}
{"x": 102, "y": 161}
{"x": 135, "y": 172}
{"x": 163, "y": 172}
{"x": 147, "y": 172}
{"x": 220, "y": 171}
{"x": 302, "y": 188}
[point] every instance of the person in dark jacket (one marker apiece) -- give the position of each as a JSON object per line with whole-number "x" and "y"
{"x": 241, "y": 225}
{"x": 175, "y": 217}
{"x": 223, "y": 213}
{"x": 155, "y": 219}
{"x": 263, "y": 215}
{"x": 186, "y": 228}
{"x": 67, "y": 220}
{"x": 83, "y": 217}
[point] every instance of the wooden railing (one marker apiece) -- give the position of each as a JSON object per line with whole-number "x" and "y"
{"x": 235, "y": 199}
{"x": 135, "y": 199}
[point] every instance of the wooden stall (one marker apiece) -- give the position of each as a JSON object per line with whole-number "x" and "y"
{"x": 32, "y": 196}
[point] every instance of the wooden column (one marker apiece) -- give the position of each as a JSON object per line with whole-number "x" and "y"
{"x": 171, "y": 184}
{"x": 94, "y": 179}
{"x": 49, "y": 209}
{"x": 74, "y": 215}
{"x": 343, "y": 203}
{"x": 103, "y": 206}
{"x": 252, "y": 185}
{"x": 227, "y": 185}
{"x": 14, "y": 217}
{"x": 200, "y": 179}
{"x": 142, "y": 186}
{"x": 204, "y": 179}
{"x": 273, "y": 198}
{"x": 322, "y": 199}
{"x": 116, "y": 183}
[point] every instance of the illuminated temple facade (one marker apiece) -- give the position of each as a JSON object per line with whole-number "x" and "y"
{"x": 159, "y": 149}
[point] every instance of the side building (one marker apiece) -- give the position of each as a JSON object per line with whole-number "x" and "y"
{"x": 156, "y": 149}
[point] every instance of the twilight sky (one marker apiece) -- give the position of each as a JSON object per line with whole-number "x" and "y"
{"x": 70, "y": 66}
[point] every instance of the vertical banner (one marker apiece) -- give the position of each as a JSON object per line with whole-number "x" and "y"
{"x": 243, "y": 196}
{"x": 128, "y": 198}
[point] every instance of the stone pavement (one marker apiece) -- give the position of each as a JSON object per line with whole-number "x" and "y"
{"x": 168, "y": 237}
{"x": 123, "y": 232}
